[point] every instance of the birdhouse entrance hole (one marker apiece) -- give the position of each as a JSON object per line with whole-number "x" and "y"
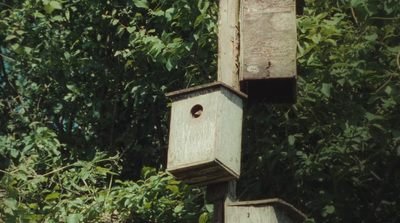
{"x": 196, "y": 111}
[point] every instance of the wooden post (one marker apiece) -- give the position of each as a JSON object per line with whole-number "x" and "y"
{"x": 228, "y": 43}
{"x": 221, "y": 195}
{"x": 228, "y": 72}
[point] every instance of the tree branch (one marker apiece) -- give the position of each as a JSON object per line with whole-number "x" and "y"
{"x": 354, "y": 15}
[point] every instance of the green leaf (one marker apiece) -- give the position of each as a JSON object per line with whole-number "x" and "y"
{"x": 171, "y": 63}
{"x": 316, "y": 38}
{"x": 178, "y": 208}
{"x": 173, "y": 188}
{"x": 55, "y": 5}
{"x": 355, "y": 3}
{"x": 103, "y": 170}
{"x": 14, "y": 152}
{"x": 38, "y": 14}
{"x": 341, "y": 81}
{"x": 57, "y": 108}
{"x": 49, "y": 9}
{"x": 10, "y": 203}
{"x": 199, "y": 20}
{"x": 74, "y": 218}
{"x": 27, "y": 50}
{"x": 210, "y": 207}
{"x": 330, "y": 209}
{"x": 73, "y": 87}
{"x": 15, "y": 47}
{"x": 169, "y": 13}
{"x": 141, "y": 3}
{"x": 393, "y": 49}
{"x": 372, "y": 37}
{"x": 67, "y": 55}
{"x": 158, "y": 13}
{"x": 114, "y": 21}
{"x": 57, "y": 18}
{"x": 10, "y": 37}
{"x": 291, "y": 140}
{"x": 22, "y": 176}
{"x": 372, "y": 117}
{"x": 388, "y": 90}
{"x": 52, "y": 196}
{"x": 131, "y": 29}
{"x": 203, "y": 218}
{"x": 204, "y": 8}
{"x": 33, "y": 206}
{"x": 326, "y": 89}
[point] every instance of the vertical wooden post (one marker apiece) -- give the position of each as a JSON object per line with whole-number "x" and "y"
{"x": 228, "y": 43}
{"x": 221, "y": 195}
{"x": 228, "y": 73}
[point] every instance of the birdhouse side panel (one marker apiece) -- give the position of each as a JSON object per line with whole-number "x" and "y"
{"x": 192, "y": 139}
{"x": 229, "y": 130}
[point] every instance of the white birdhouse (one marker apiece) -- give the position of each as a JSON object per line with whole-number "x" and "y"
{"x": 205, "y": 134}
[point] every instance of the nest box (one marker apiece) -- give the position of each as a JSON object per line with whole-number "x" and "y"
{"x": 268, "y": 41}
{"x": 205, "y": 134}
{"x": 269, "y": 210}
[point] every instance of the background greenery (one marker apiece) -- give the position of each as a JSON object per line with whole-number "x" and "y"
{"x": 84, "y": 117}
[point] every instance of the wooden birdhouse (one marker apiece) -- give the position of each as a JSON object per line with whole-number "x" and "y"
{"x": 205, "y": 134}
{"x": 269, "y": 210}
{"x": 268, "y": 41}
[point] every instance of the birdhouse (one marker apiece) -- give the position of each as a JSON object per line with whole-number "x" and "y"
{"x": 269, "y": 210}
{"x": 205, "y": 134}
{"x": 268, "y": 41}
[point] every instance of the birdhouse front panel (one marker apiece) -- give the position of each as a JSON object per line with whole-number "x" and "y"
{"x": 268, "y": 48}
{"x": 205, "y": 134}
{"x": 268, "y": 39}
{"x": 193, "y": 129}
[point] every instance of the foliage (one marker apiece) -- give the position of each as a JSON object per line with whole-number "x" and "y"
{"x": 83, "y": 81}
{"x": 84, "y": 117}
{"x": 76, "y": 193}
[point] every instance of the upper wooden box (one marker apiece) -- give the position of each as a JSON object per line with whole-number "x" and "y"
{"x": 205, "y": 134}
{"x": 268, "y": 41}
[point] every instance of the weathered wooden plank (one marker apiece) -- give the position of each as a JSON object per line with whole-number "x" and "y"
{"x": 228, "y": 42}
{"x": 268, "y": 210}
{"x": 268, "y": 39}
{"x": 228, "y": 73}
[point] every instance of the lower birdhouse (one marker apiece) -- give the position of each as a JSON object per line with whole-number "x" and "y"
{"x": 269, "y": 210}
{"x": 205, "y": 134}
{"x": 268, "y": 42}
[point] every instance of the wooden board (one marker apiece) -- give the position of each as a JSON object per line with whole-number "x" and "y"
{"x": 268, "y": 39}
{"x": 269, "y": 210}
{"x": 228, "y": 43}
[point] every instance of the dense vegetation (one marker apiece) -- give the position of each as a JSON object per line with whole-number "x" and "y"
{"x": 84, "y": 117}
